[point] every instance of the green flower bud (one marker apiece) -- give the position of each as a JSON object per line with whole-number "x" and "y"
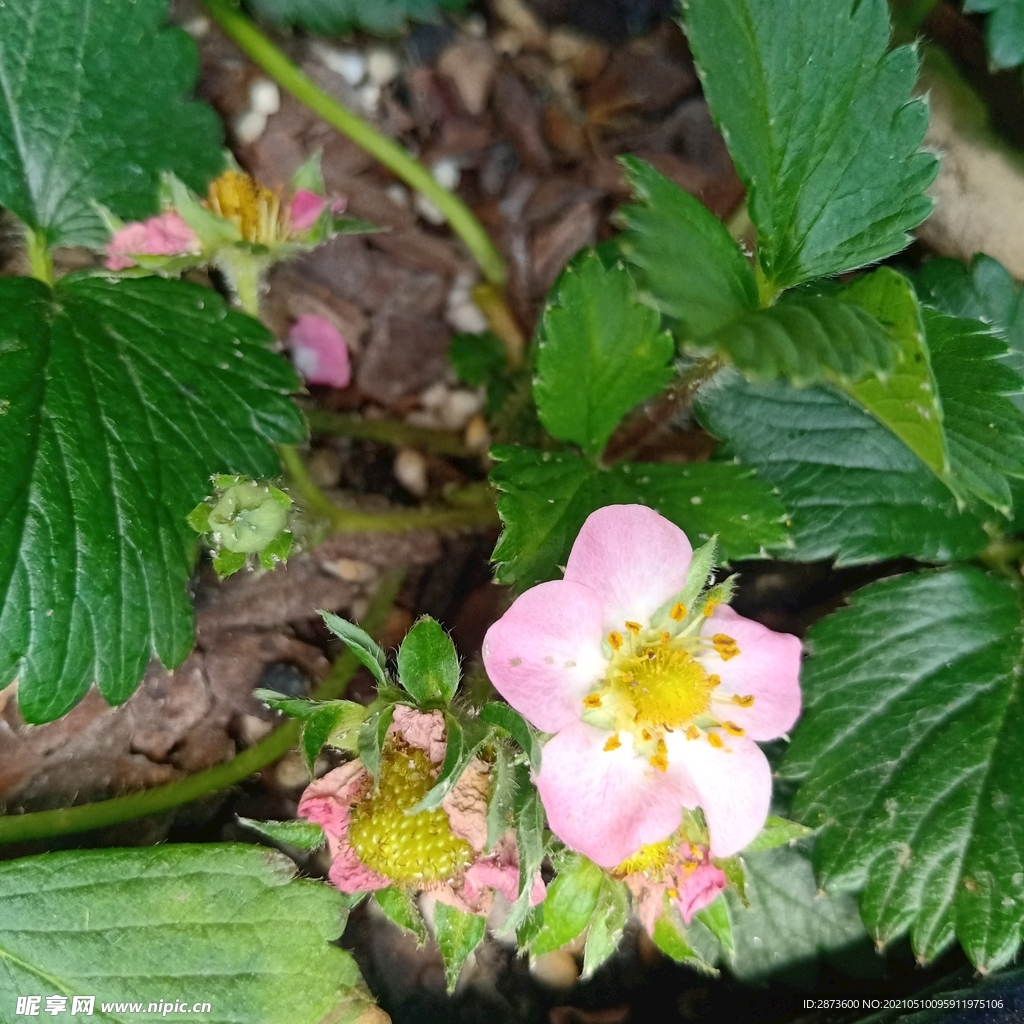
{"x": 248, "y": 517}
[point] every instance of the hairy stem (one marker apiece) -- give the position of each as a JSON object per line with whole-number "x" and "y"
{"x": 478, "y": 513}
{"x": 394, "y": 157}
{"x": 85, "y": 817}
{"x": 388, "y": 432}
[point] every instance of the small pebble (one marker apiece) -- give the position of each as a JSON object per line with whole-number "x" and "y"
{"x": 467, "y": 317}
{"x": 425, "y": 418}
{"x": 557, "y": 969}
{"x": 248, "y": 127}
{"x": 447, "y": 173}
{"x": 434, "y": 397}
{"x": 290, "y": 772}
{"x": 411, "y": 471}
{"x": 351, "y": 570}
{"x": 382, "y": 66}
{"x": 197, "y": 27}
{"x": 369, "y": 97}
{"x": 398, "y": 194}
{"x": 252, "y": 729}
{"x": 350, "y": 64}
{"x": 478, "y": 437}
{"x": 264, "y": 96}
{"x": 324, "y": 466}
{"x": 428, "y": 211}
{"x": 460, "y": 407}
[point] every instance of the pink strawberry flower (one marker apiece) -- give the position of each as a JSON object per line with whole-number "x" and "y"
{"x": 319, "y": 352}
{"x": 165, "y": 235}
{"x": 654, "y": 707}
{"x": 374, "y": 843}
{"x": 676, "y": 869}
{"x": 306, "y": 208}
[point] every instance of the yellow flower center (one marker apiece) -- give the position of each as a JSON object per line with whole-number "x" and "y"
{"x": 647, "y": 860}
{"x": 666, "y": 686}
{"x": 406, "y": 847}
{"x": 256, "y": 210}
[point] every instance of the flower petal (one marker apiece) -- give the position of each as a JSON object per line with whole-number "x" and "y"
{"x": 698, "y": 888}
{"x": 305, "y": 209}
{"x": 733, "y": 785}
{"x": 319, "y": 352}
{"x": 424, "y": 730}
{"x": 607, "y": 804}
{"x": 633, "y": 557}
{"x": 328, "y": 801}
{"x": 466, "y": 805}
{"x": 767, "y": 669}
{"x": 544, "y": 653}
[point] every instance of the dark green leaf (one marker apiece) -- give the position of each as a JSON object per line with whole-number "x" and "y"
{"x": 607, "y": 926}
{"x": 984, "y": 429}
{"x": 334, "y": 17}
{"x": 818, "y": 116}
{"x": 228, "y": 923}
{"x": 715, "y": 917}
{"x": 93, "y": 108}
{"x": 477, "y": 358}
{"x": 1004, "y": 30}
{"x": 428, "y": 666}
{"x": 600, "y": 353}
{"x": 571, "y": 901}
{"x": 361, "y": 644}
{"x": 371, "y": 738}
{"x": 458, "y": 934}
{"x": 401, "y": 908}
{"x": 788, "y": 921}
{"x": 673, "y": 938}
{"x": 907, "y": 401}
{"x": 910, "y": 748}
{"x": 856, "y": 492}
{"x": 510, "y": 721}
{"x": 335, "y": 722}
{"x": 688, "y": 265}
{"x": 547, "y": 496}
{"x": 805, "y": 340}
{"x": 777, "y": 832}
{"x": 119, "y": 400}
{"x": 306, "y": 835}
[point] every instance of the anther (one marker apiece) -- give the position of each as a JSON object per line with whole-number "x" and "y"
{"x": 709, "y": 607}
{"x": 613, "y": 742}
{"x": 678, "y": 612}
{"x": 633, "y": 627}
{"x": 615, "y": 640}
{"x": 715, "y": 740}
{"x": 693, "y": 733}
{"x": 592, "y": 700}
{"x": 725, "y": 645}
{"x": 746, "y": 701}
{"x": 714, "y": 681}
{"x": 732, "y": 729}
{"x": 664, "y": 637}
{"x": 660, "y": 759}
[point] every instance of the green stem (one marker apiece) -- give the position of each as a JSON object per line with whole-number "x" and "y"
{"x": 345, "y": 520}
{"x": 394, "y": 157}
{"x": 403, "y": 435}
{"x": 908, "y": 16}
{"x": 39, "y": 256}
{"x": 85, "y": 817}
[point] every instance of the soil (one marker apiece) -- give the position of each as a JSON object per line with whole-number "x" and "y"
{"x": 528, "y": 105}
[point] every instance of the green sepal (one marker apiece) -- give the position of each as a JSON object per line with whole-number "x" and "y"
{"x": 501, "y": 797}
{"x": 457, "y": 934}
{"x": 510, "y": 721}
{"x": 715, "y": 917}
{"x": 606, "y": 926}
{"x": 428, "y": 664}
{"x": 776, "y": 832}
{"x": 570, "y": 904}
{"x": 530, "y": 845}
{"x": 371, "y": 738}
{"x": 400, "y": 908}
{"x": 361, "y": 644}
{"x": 306, "y": 835}
{"x": 334, "y": 723}
{"x": 309, "y": 177}
{"x": 225, "y": 562}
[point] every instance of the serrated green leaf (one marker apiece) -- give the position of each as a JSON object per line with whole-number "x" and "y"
{"x": 547, "y": 496}
{"x": 199, "y": 518}
{"x": 571, "y": 901}
{"x": 601, "y": 352}
{"x": 688, "y": 265}
{"x": 607, "y": 926}
{"x": 361, "y": 644}
{"x": 370, "y": 741}
{"x": 529, "y": 818}
{"x": 94, "y": 107}
{"x": 335, "y": 722}
{"x": 715, "y": 917}
{"x": 1004, "y": 30}
{"x": 428, "y": 665}
{"x": 477, "y": 359}
{"x": 306, "y": 835}
{"x": 510, "y": 721}
{"x": 673, "y": 939}
{"x": 984, "y": 429}
{"x": 818, "y": 116}
{"x": 788, "y": 920}
{"x": 907, "y": 401}
{"x": 335, "y": 17}
{"x": 227, "y": 563}
{"x": 401, "y": 908}
{"x": 296, "y": 707}
{"x": 777, "y": 832}
{"x": 199, "y": 914}
{"x": 457, "y": 934}
{"x": 805, "y": 339}
{"x": 910, "y": 747}
{"x": 856, "y": 492}
{"x": 119, "y": 400}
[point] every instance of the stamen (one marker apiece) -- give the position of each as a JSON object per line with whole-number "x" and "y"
{"x": 660, "y": 759}
{"x": 613, "y": 743}
{"x": 672, "y": 893}
{"x": 633, "y": 627}
{"x": 709, "y": 607}
{"x": 678, "y": 612}
{"x": 647, "y": 737}
{"x": 690, "y": 866}
{"x": 746, "y": 701}
{"x": 714, "y": 681}
{"x": 592, "y": 700}
{"x": 615, "y": 640}
{"x": 664, "y": 637}
{"x": 725, "y": 645}
{"x": 715, "y": 740}
{"x": 733, "y": 729}
{"x": 693, "y": 733}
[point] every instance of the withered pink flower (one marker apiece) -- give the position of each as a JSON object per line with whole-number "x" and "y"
{"x": 306, "y": 208}
{"x": 654, "y": 707}
{"x": 165, "y": 235}
{"x": 319, "y": 351}
{"x": 374, "y": 843}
